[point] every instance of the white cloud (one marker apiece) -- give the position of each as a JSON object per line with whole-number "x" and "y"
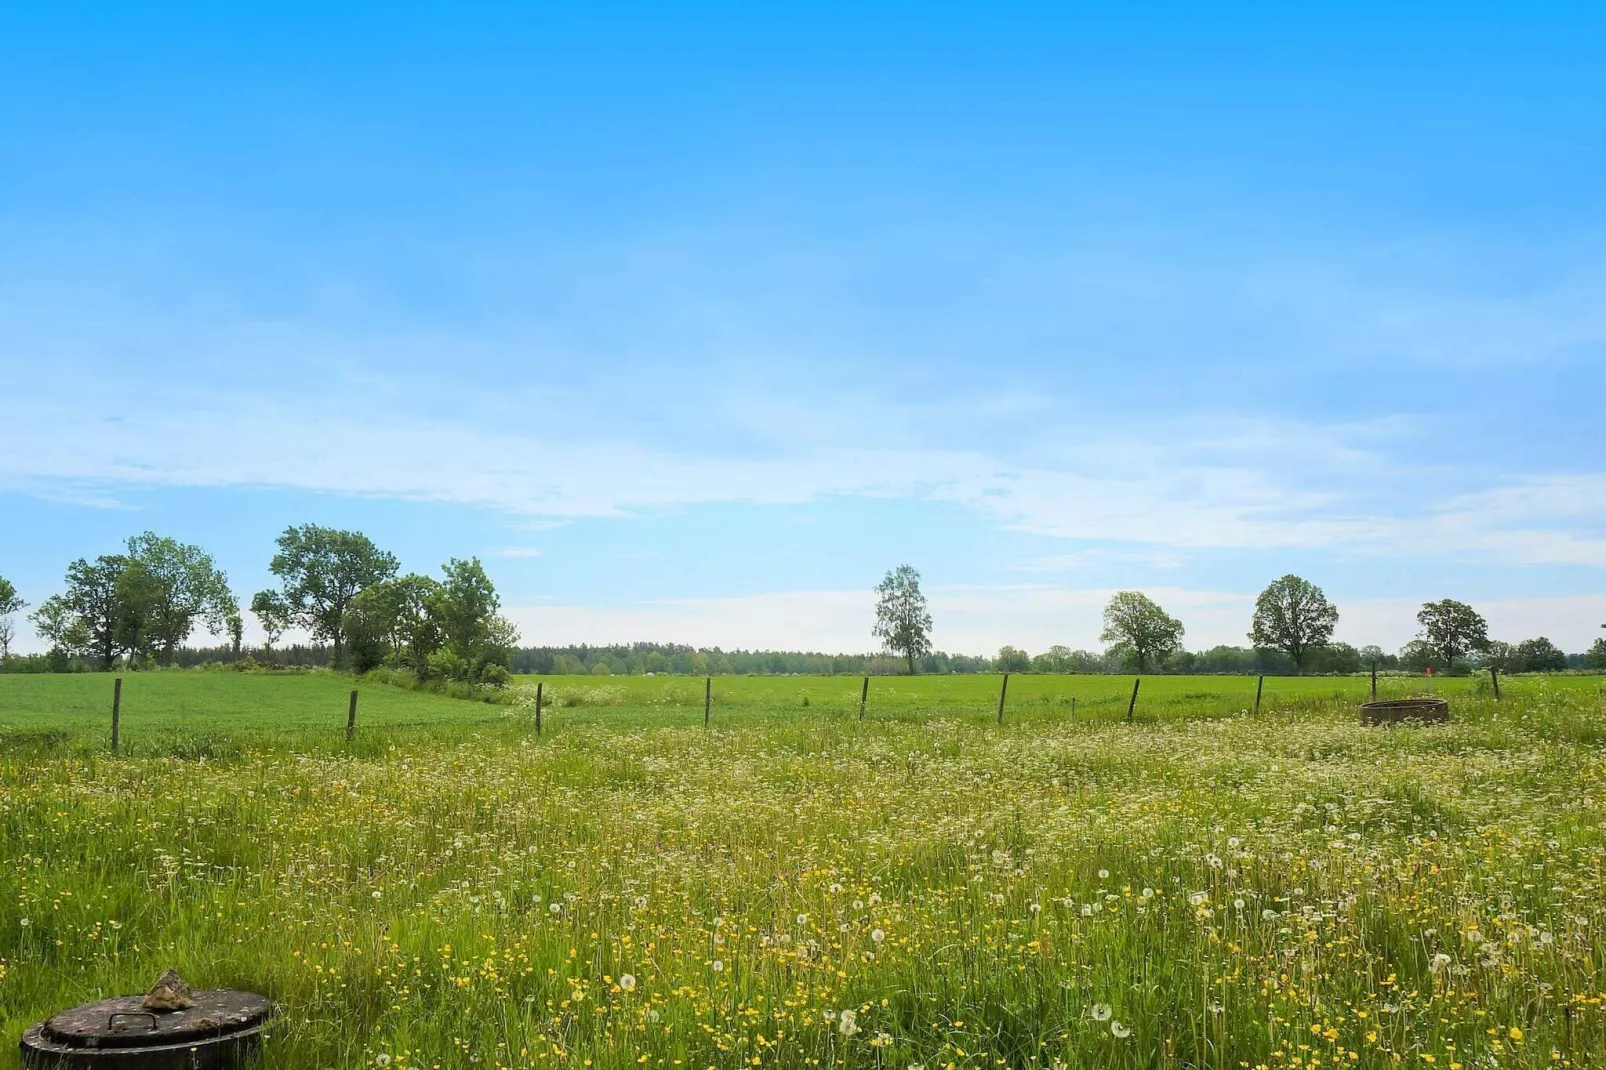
{"x": 1176, "y": 488}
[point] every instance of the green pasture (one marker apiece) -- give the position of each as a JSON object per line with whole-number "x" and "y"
{"x": 190, "y": 710}
{"x": 1028, "y": 695}
{"x": 1205, "y": 887}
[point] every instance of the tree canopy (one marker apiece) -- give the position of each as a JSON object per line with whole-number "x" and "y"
{"x": 1013, "y": 659}
{"x": 177, "y": 585}
{"x": 1540, "y": 655}
{"x": 1451, "y": 630}
{"x": 142, "y": 604}
{"x": 10, "y": 602}
{"x": 320, "y": 571}
{"x": 444, "y": 629}
{"x": 1294, "y": 616}
{"x": 1595, "y": 658}
{"x": 1139, "y": 630}
{"x": 903, "y": 623}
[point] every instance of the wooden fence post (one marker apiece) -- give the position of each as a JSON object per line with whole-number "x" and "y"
{"x": 708, "y": 699}
{"x": 1374, "y": 679}
{"x": 1002, "y": 691}
{"x": 1133, "y": 705}
{"x": 1073, "y": 707}
{"x": 864, "y": 696}
{"x": 1494, "y": 678}
{"x": 351, "y": 718}
{"x": 538, "y": 684}
{"x": 1260, "y": 685}
{"x": 117, "y": 711}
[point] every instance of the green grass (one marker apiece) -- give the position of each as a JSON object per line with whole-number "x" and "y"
{"x": 680, "y": 699}
{"x": 1282, "y": 890}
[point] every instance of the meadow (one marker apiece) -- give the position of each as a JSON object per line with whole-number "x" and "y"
{"x": 1205, "y": 886}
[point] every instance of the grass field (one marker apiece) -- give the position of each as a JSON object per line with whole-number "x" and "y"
{"x": 1204, "y": 887}
{"x": 202, "y": 712}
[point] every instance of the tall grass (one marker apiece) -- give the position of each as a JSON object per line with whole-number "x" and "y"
{"x": 794, "y": 887}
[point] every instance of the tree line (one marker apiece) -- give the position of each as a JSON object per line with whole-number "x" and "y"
{"x": 139, "y": 607}
{"x": 136, "y": 609}
{"x": 1291, "y": 628}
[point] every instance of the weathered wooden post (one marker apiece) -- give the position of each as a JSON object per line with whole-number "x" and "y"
{"x": 1133, "y": 705}
{"x": 1260, "y": 685}
{"x": 1002, "y": 691}
{"x": 538, "y": 684}
{"x": 1494, "y": 678}
{"x": 708, "y": 699}
{"x": 1073, "y": 707}
{"x": 117, "y": 710}
{"x": 1374, "y": 679}
{"x": 351, "y": 718}
{"x": 864, "y": 696}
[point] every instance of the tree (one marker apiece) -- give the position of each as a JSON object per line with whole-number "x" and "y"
{"x": 1417, "y": 656}
{"x": 478, "y": 643}
{"x": 55, "y": 621}
{"x": 1337, "y": 658}
{"x": 394, "y": 621}
{"x": 902, "y": 622}
{"x": 1013, "y": 659}
{"x": 169, "y": 586}
{"x": 1502, "y": 657}
{"x": 321, "y": 570}
{"x": 273, "y": 613}
{"x": 93, "y": 617}
{"x": 10, "y": 602}
{"x": 1540, "y": 655}
{"x": 1372, "y": 654}
{"x": 1451, "y": 629}
{"x": 1057, "y": 658}
{"x": 1140, "y": 630}
{"x": 236, "y": 632}
{"x": 1294, "y": 616}
{"x": 1596, "y": 657}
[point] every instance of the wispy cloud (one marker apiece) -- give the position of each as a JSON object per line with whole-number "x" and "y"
{"x": 1180, "y": 488}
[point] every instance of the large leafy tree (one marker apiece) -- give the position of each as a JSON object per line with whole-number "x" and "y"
{"x": 1595, "y": 657}
{"x": 1452, "y": 629}
{"x": 10, "y": 602}
{"x": 1540, "y": 655}
{"x": 1057, "y": 658}
{"x": 170, "y": 586}
{"x": 902, "y": 621}
{"x": 97, "y": 616}
{"x": 1139, "y": 630}
{"x": 1294, "y": 616}
{"x": 320, "y": 571}
{"x": 393, "y": 621}
{"x": 1013, "y": 659}
{"x": 477, "y": 641}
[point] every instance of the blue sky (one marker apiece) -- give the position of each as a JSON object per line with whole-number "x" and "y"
{"x": 693, "y": 320}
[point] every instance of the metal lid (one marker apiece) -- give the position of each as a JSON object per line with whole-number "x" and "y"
{"x": 125, "y": 1023}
